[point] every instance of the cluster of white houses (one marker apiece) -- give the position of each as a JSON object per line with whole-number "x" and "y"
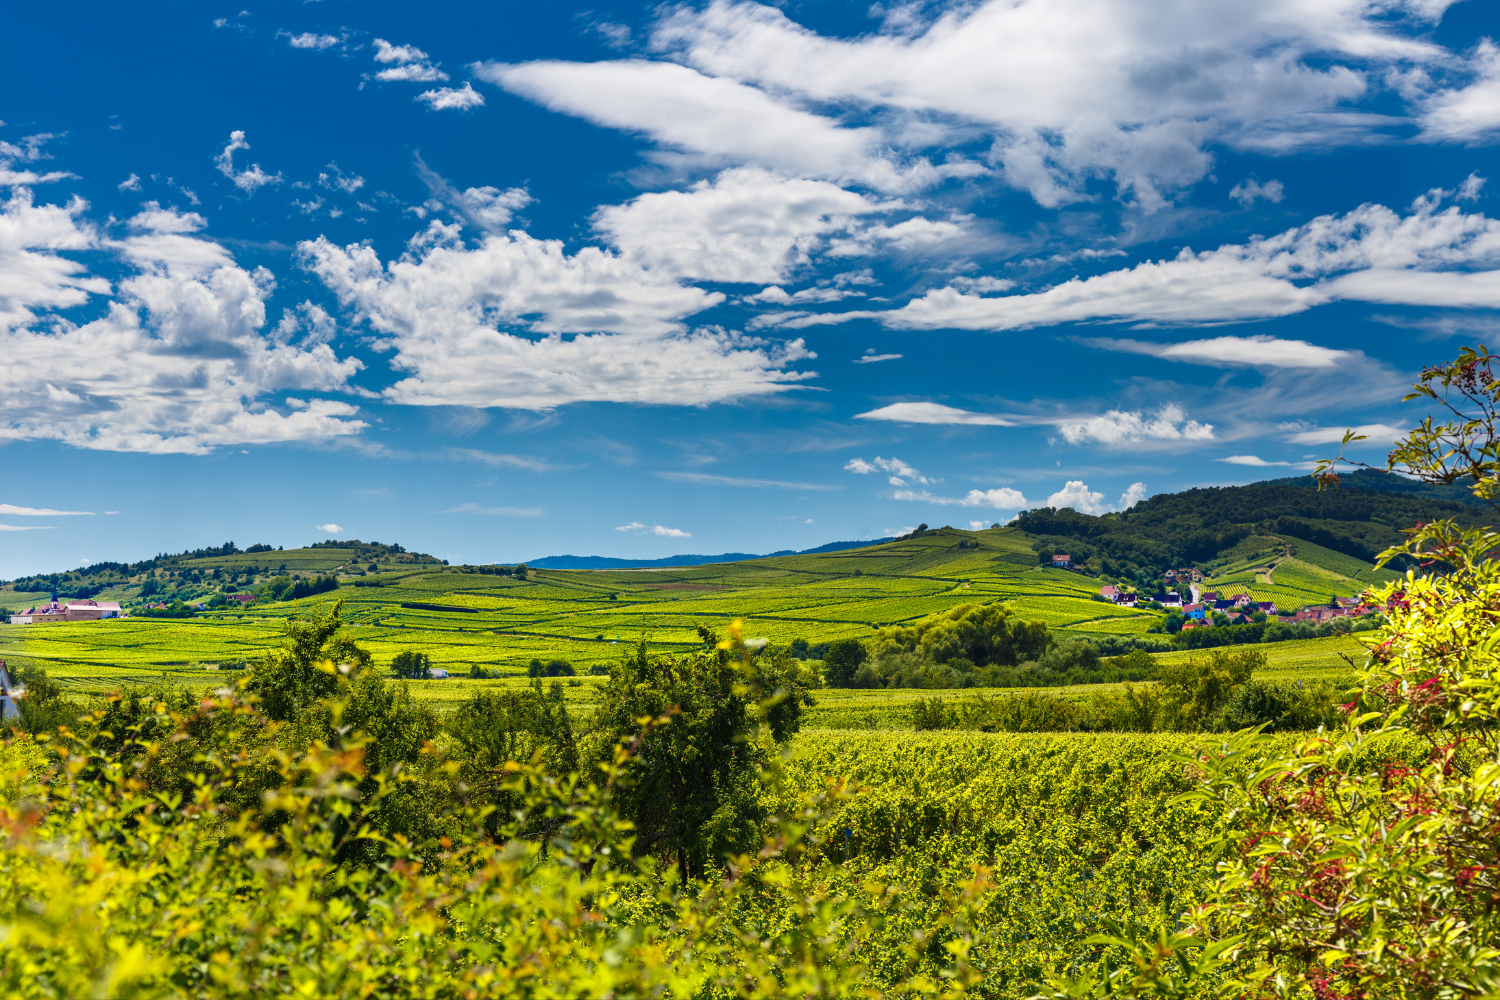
{"x": 1200, "y": 607}
{"x": 68, "y": 611}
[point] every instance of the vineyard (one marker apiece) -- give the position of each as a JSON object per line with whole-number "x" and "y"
{"x": 1040, "y": 837}
{"x": 1292, "y": 573}
{"x": 469, "y": 622}
{"x": 466, "y": 620}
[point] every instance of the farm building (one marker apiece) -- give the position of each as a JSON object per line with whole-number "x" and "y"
{"x": 68, "y": 611}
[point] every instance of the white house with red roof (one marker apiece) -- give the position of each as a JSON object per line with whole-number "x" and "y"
{"x": 69, "y": 611}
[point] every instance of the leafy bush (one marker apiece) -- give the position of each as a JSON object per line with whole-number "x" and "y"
{"x": 1340, "y": 881}
{"x": 980, "y": 634}
{"x": 841, "y": 662}
{"x": 43, "y": 707}
{"x": 552, "y": 668}
{"x": 695, "y": 795}
{"x": 930, "y": 713}
{"x": 214, "y": 894}
{"x": 309, "y": 665}
{"x": 1279, "y": 706}
{"x": 412, "y": 665}
{"x": 175, "y": 610}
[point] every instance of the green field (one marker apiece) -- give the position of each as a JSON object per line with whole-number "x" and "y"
{"x": 464, "y": 619}
{"x": 1291, "y": 573}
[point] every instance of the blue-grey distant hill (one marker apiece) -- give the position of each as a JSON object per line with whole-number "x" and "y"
{"x": 607, "y": 562}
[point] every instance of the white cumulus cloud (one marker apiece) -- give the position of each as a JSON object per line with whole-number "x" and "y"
{"x": 1065, "y": 92}
{"x": 312, "y": 40}
{"x": 1470, "y": 112}
{"x": 330, "y": 528}
{"x": 411, "y": 63}
{"x": 252, "y": 178}
{"x": 746, "y": 225}
{"x": 899, "y": 471}
{"x": 1126, "y": 427}
{"x": 1247, "y": 191}
{"x": 177, "y": 362}
{"x": 1079, "y": 497}
{"x": 464, "y": 323}
{"x": 452, "y": 98}
{"x": 1003, "y": 498}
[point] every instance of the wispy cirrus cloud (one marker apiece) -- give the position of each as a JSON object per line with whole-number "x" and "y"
{"x": 1003, "y": 498}
{"x": 15, "y": 511}
{"x": 934, "y": 413}
{"x": 704, "y": 479}
{"x": 503, "y": 461}
{"x": 654, "y": 529}
{"x": 1382, "y": 435}
{"x": 1256, "y": 462}
{"x": 1250, "y": 352}
{"x": 474, "y": 508}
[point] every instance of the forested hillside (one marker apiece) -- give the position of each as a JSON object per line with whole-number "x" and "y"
{"x": 1202, "y": 526}
{"x": 194, "y": 571}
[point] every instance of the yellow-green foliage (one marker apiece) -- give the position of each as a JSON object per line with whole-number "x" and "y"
{"x": 979, "y": 634}
{"x": 1074, "y": 830}
{"x": 1342, "y": 880}
{"x": 108, "y": 888}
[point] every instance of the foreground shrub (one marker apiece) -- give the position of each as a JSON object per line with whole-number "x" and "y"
{"x": 108, "y": 889}
{"x": 1336, "y": 881}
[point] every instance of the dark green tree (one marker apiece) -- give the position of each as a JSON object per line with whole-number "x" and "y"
{"x": 842, "y": 661}
{"x": 312, "y": 658}
{"x": 552, "y": 668}
{"x": 493, "y": 728}
{"x": 694, "y": 794}
{"x": 43, "y": 707}
{"x": 412, "y": 665}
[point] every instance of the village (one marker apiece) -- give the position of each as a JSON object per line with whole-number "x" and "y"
{"x": 68, "y": 611}
{"x": 1200, "y": 607}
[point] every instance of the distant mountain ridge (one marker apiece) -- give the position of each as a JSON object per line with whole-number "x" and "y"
{"x": 609, "y": 562}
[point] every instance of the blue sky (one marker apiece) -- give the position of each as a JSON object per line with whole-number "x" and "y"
{"x": 501, "y": 280}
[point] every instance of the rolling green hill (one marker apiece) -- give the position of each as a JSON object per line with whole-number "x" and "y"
{"x": 464, "y": 618}
{"x": 1278, "y": 542}
{"x": 1208, "y": 529}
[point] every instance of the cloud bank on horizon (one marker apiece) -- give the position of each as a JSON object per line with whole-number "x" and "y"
{"x": 653, "y": 243}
